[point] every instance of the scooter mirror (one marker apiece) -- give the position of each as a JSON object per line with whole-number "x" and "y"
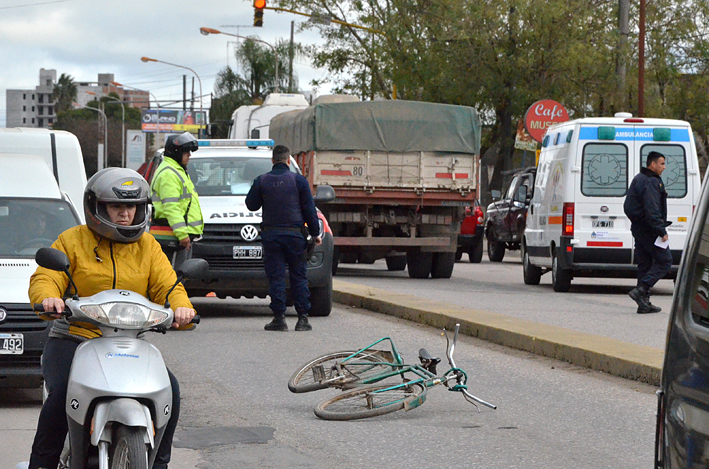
{"x": 52, "y": 259}
{"x": 194, "y": 268}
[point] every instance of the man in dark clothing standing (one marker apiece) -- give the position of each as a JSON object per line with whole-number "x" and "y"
{"x": 646, "y": 207}
{"x": 287, "y": 205}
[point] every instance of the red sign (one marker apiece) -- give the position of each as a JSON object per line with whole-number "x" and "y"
{"x": 541, "y": 115}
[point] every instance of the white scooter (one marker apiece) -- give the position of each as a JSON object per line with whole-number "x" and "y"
{"x": 119, "y": 397}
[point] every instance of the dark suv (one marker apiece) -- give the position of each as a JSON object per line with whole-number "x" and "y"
{"x": 472, "y": 230}
{"x": 506, "y": 217}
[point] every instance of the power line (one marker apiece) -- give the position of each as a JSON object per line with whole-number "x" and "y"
{"x": 33, "y": 4}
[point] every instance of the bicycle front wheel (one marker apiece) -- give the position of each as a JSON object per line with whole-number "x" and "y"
{"x": 329, "y": 370}
{"x": 369, "y": 401}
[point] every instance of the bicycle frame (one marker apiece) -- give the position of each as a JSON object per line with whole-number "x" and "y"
{"x": 425, "y": 377}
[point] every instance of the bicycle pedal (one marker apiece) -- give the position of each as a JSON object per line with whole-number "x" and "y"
{"x": 318, "y": 373}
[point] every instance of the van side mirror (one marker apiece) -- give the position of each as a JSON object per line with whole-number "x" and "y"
{"x": 324, "y": 194}
{"x": 495, "y": 194}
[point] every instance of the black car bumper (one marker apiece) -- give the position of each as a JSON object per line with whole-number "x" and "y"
{"x": 247, "y": 277}
{"x": 468, "y": 241}
{"x": 23, "y": 370}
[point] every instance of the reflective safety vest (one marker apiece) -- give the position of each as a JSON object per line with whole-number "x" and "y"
{"x": 175, "y": 200}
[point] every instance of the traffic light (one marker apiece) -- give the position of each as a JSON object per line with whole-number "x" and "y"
{"x": 259, "y": 5}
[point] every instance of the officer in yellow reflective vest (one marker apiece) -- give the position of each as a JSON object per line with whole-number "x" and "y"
{"x": 177, "y": 219}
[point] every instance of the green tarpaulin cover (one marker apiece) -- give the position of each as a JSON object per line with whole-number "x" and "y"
{"x": 389, "y": 126}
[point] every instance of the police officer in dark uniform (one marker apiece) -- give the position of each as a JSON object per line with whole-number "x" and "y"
{"x": 646, "y": 207}
{"x": 287, "y": 205}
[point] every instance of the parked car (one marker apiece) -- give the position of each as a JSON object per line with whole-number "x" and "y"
{"x": 472, "y": 231}
{"x": 506, "y": 217}
{"x": 33, "y": 212}
{"x": 682, "y": 432}
{"x": 222, "y": 172}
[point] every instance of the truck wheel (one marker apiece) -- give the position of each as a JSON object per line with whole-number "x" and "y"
{"x": 476, "y": 253}
{"x": 532, "y": 273}
{"x": 419, "y": 263}
{"x": 495, "y": 249}
{"x": 348, "y": 258}
{"x": 442, "y": 266}
{"x": 560, "y": 278}
{"x": 396, "y": 263}
{"x": 321, "y": 299}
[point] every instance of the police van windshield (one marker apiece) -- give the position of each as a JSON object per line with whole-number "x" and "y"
{"x": 29, "y": 224}
{"x": 227, "y": 175}
{"x": 675, "y": 174}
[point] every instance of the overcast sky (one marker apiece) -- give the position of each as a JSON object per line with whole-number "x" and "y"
{"x": 83, "y": 38}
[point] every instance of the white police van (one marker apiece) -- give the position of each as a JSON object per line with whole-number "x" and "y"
{"x": 222, "y": 172}
{"x": 576, "y": 226}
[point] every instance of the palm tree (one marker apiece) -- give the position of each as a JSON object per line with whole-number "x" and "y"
{"x": 64, "y": 93}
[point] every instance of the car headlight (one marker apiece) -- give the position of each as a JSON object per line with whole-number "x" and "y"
{"x": 321, "y": 228}
{"x": 127, "y": 315}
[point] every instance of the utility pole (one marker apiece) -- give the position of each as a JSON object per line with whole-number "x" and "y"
{"x": 290, "y": 59}
{"x": 641, "y": 62}
{"x": 621, "y": 65}
{"x": 184, "y": 92}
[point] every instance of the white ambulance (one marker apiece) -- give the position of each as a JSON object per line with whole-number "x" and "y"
{"x": 575, "y": 225}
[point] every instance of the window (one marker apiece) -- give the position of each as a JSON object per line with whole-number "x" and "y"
{"x": 24, "y": 108}
{"x": 510, "y": 192}
{"x": 40, "y": 98}
{"x": 40, "y": 110}
{"x": 29, "y": 224}
{"x": 604, "y": 170}
{"x": 24, "y": 120}
{"x": 32, "y": 97}
{"x": 49, "y": 82}
{"x": 24, "y": 95}
{"x": 40, "y": 122}
{"x": 32, "y": 108}
{"x": 33, "y": 120}
{"x": 50, "y": 110}
{"x": 675, "y": 174}
{"x": 227, "y": 175}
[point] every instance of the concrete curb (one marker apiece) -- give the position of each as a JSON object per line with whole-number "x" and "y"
{"x": 630, "y": 361}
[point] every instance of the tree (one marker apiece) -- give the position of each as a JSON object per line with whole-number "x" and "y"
{"x": 232, "y": 90}
{"x": 64, "y": 93}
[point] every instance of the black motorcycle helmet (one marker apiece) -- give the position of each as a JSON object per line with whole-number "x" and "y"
{"x": 176, "y": 145}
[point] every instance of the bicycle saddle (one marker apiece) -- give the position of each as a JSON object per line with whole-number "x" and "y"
{"x": 428, "y": 361}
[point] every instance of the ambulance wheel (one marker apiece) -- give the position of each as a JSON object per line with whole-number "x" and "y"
{"x": 560, "y": 278}
{"x": 532, "y": 273}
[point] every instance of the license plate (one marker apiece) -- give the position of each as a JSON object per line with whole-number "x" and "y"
{"x": 11, "y": 344}
{"x": 602, "y": 223}
{"x": 248, "y": 252}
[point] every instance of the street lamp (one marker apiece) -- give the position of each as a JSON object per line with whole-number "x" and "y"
{"x": 201, "y": 109}
{"x": 157, "y": 103}
{"x": 208, "y": 31}
{"x": 99, "y": 156}
{"x": 123, "y": 126}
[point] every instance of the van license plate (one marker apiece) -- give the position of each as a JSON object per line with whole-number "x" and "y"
{"x": 602, "y": 223}
{"x": 248, "y": 252}
{"x": 11, "y": 344}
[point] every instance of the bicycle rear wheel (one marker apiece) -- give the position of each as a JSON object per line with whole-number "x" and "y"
{"x": 328, "y": 370}
{"x": 369, "y": 401}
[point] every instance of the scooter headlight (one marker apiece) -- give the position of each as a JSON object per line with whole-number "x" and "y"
{"x": 128, "y": 315}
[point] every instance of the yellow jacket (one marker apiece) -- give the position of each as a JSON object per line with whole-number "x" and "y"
{"x": 173, "y": 194}
{"x": 141, "y": 267}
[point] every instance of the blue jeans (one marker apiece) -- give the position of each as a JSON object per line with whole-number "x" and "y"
{"x": 281, "y": 250}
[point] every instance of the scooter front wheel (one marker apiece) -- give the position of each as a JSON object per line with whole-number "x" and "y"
{"x": 128, "y": 451}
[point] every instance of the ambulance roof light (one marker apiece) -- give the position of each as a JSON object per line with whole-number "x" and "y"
{"x": 251, "y": 143}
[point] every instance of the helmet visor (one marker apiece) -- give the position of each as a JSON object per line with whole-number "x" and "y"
{"x": 185, "y": 141}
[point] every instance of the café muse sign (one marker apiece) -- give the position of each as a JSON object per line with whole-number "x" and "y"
{"x": 541, "y": 115}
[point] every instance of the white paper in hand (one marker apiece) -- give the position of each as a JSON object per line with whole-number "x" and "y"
{"x": 662, "y": 244}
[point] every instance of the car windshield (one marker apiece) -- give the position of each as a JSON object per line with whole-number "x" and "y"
{"x": 29, "y": 224}
{"x": 227, "y": 175}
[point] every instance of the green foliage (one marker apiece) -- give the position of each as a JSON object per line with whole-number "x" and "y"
{"x": 64, "y": 93}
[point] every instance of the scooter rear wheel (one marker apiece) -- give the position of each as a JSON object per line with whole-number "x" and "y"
{"x": 128, "y": 451}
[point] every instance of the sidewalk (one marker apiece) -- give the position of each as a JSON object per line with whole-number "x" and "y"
{"x": 630, "y": 361}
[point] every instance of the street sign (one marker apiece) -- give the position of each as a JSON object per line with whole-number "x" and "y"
{"x": 541, "y": 115}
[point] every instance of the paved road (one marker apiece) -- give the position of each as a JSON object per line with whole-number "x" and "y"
{"x": 237, "y": 411}
{"x": 594, "y": 305}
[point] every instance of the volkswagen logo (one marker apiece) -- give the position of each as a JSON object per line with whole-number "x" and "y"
{"x": 249, "y": 233}
{"x": 3, "y": 315}
{"x": 604, "y": 208}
